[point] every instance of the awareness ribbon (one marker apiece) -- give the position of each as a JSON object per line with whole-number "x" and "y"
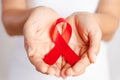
{"x": 61, "y": 45}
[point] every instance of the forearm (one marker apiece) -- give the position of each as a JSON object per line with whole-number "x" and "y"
{"x": 14, "y": 20}
{"x": 14, "y": 15}
{"x": 108, "y": 25}
{"x": 107, "y": 15}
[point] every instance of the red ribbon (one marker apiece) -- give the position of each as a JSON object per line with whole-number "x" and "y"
{"x": 61, "y": 45}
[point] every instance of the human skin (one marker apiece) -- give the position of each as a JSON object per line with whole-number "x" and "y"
{"x": 90, "y": 37}
{"x": 16, "y": 13}
{"x": 38, "y": 41}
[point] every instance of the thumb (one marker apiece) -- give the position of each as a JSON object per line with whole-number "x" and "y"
{"x": 94, "y": 46}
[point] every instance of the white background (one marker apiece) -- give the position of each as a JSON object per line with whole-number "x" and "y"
{"x": 6, "y": 47}
{"x": 114, "y": 56}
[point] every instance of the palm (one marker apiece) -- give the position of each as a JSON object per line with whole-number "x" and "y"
{"x": 38, "y": 41}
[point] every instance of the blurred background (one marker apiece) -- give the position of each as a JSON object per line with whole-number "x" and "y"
{"x": 114, "y": 55}
{"x": 7, "y": 47}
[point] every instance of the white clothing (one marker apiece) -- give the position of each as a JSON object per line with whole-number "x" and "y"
{"x": 21, "y": 69}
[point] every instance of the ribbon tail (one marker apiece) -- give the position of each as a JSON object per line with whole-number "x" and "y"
{"x": 52, "y": 56}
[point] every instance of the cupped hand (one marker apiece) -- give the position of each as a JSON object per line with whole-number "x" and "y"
{"x": 38, "y": 41}
{"x": 85, "y": 41}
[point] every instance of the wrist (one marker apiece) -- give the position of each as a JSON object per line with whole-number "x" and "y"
{"x": 108, "y": 25}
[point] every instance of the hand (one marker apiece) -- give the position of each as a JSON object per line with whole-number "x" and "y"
{"x": 85, "y": 42}
{"x": 38, "y": 41}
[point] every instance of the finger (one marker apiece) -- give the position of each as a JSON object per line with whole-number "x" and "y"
{"x": 94, "y": 46}
{"x": 40, "y": 65}
{"x": 55, "y": 69}
{"x": 63, "y": 71}
{"x": 76, "y": 49}
{"x": 79, "y": 67}
{"x": 83, "y": 50}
